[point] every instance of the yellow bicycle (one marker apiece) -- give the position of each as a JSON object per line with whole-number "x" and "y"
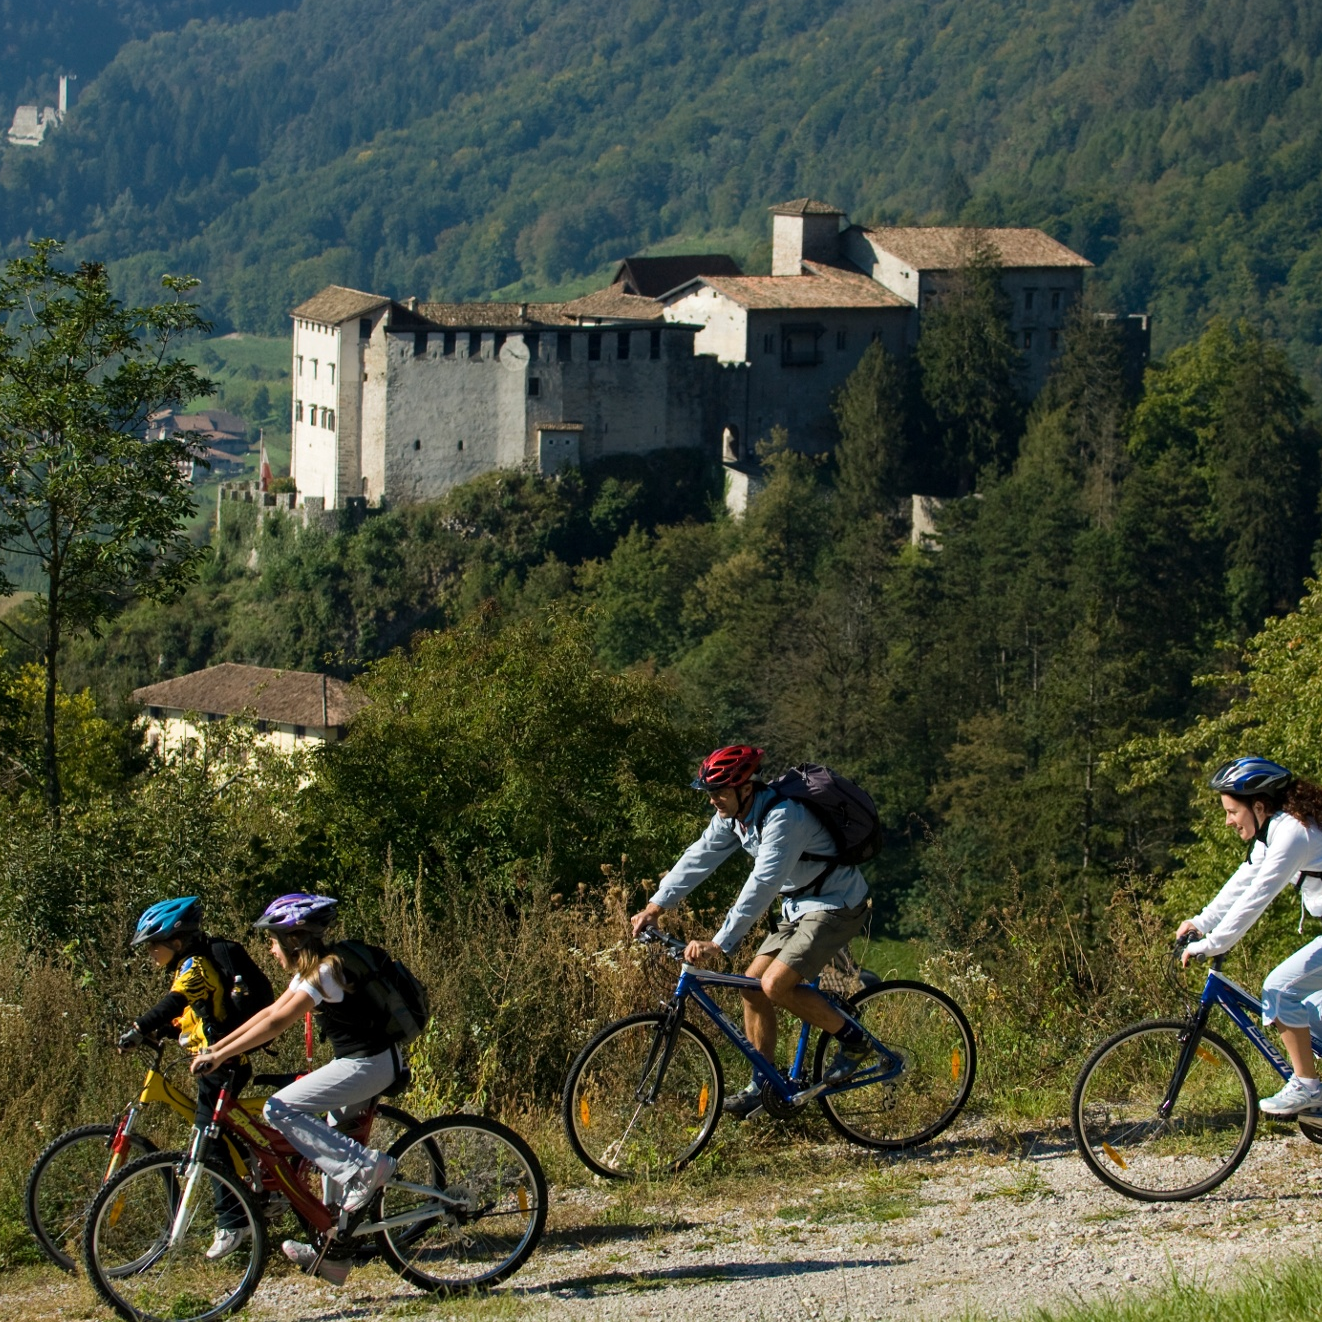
{"x": 72, "y": 1168}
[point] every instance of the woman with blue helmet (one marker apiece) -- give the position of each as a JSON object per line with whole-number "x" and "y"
{"x": 1278, "y": 816}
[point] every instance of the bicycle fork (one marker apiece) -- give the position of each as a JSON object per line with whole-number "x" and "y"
{"x": 662, "y": 1050}
{"x": 1189, "y": 1048}
{"x": 120, "y": 1144}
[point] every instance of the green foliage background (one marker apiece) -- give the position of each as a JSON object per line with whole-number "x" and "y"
{"x": 526, "y": 146}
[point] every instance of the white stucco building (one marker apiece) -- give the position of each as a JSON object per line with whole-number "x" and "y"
{"x": 397, "y": 402}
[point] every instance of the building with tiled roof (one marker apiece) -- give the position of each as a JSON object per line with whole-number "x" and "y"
{"x": 396, "y": 401}
{"x": 835, "y": 288}
{"x": 289, "y": 708}
{"x": 650, "y": 277}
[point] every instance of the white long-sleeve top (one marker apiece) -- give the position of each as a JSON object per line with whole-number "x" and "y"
{"x": 1291, "y": 848}
{"x": 778, "y": 833}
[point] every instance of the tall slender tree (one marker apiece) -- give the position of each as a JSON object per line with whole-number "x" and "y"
{"x": 85, "y": 496}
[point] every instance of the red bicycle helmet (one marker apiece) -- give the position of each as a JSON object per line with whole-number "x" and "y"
{"x": 728, "y": 768}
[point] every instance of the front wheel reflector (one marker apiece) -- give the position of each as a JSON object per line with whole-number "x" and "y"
{"x": 1115, "y": 1156}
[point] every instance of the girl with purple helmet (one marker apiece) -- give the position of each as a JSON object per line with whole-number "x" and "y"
{"x": 1279, "y": 817}
{"x": 365, "y": 1062}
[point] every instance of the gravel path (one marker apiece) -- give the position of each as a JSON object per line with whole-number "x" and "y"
{"x": 971, "y": 1225}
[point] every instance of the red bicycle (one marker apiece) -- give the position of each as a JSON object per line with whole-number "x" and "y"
{"x": 464, "y": 1210}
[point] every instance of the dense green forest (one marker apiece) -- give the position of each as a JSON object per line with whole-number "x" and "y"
{"x": 523, "y": 147}
{"x": 980, "y": 686}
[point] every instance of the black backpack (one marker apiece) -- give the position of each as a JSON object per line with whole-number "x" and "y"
{"x": 845, "y": 811}
{"x": 401, "y": 1001}
{"x": 247, "y": 988}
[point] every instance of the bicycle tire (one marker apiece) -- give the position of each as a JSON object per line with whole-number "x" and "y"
{"x": 496, "y": 1224}
{"x": 1113, "y": 1113}
{"x": 930, "y": 1031}
{"x": 618, "y": 1137}
{"x": 62, "y": 1183}
{"x": 126, "y": 1254}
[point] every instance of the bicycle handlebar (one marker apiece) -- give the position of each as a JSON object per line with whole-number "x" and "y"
{"x": 674, "y": 946}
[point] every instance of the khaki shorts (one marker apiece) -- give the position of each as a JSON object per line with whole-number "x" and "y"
{"x": 809, "y": 945}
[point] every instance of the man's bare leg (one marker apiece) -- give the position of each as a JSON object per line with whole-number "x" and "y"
{"x": 781, "y": 989}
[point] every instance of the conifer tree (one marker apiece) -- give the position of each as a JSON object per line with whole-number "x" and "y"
{"x": 969, "y": 368}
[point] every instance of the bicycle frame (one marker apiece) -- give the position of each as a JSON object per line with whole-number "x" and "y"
{"x": 1239, "y": 1005}
{"x": 795, "y": 1090}
{"x": 272, "y": 1153}
{"x": 157, "y": 1090}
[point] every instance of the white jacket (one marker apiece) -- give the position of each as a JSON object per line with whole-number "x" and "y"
{"x": 1291, "y": 848}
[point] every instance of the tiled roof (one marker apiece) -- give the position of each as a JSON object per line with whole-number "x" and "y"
{"x": 943, "y": 248}
{"x": 495, "y": 316}
{"x": 336, "y": 304}
{"x": 286, "y": 697}
{"x": 613, "y": 304}
{"x": 213, "y": 420}
{"x": 819, "y": 287}
{"x": 805, "y": 206}
{"x": 654, "y": 276}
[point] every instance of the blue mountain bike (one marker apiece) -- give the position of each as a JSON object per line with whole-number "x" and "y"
{"x": 1166, "y": 1109}
{"x": 644, "y": 1096}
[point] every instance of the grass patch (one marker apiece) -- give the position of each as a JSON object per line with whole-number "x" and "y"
{"x": 1283, "y": 1294}
{"x": 1024, "y": 1186}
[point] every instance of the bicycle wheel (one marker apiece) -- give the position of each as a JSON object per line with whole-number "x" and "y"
{"x": 64, "y": 1179}
{"x": 484, "y": 1196}
{"x": 128, "y": 1254}
{"x": 1137, "y": 1152}
{"x": 929, "y": 1032}
{"x": 617, "y": 1135}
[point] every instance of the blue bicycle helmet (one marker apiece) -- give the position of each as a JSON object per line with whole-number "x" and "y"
{"x": 168, "y": 919}
{"x": 1248, "y": 776}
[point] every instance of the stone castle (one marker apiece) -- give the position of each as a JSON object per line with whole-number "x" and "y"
{"x": 398, "y": 401}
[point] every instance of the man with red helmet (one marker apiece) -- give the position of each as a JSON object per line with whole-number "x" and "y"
{"x": 822, "y": 909}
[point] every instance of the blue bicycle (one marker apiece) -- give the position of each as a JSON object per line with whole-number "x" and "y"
{"x": 1166, "y": 1109}
{"x": 644, "y": 1096}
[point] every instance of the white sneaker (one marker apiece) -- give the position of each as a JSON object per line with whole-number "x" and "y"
{"x": 225, "y": 1242}
{"x": 1297, "y": 1095}
{"x": 363, "y": 1189}
{"x": 334, "y": 1270}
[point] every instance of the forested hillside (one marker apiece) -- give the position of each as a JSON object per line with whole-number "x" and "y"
{"x": 454, "y": 150}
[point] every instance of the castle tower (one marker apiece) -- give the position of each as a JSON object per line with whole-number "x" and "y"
{"x": 804, "y": 229}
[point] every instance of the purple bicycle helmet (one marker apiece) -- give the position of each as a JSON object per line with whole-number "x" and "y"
{"x": 298, "y": 914}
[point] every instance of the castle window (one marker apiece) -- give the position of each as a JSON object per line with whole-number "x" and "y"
{"x": 798, "y": 346}
{"x": 1028, "y": 339}
{"x": 300, "y": 731}
{"x": 1055, "y": 299}
{"x": 840, "y": 339}
{"x": 364, "y": 328}
{"x": 533, "y": 343}
{"x": 1055, "y": 339}
{"x": 594, "y": 346}
{"x": 419, "y": 343}
{"x": 564, "y": 347}
{"x": 417, "y": 445}
{"x": 155, "y": 713}
{"x": 497, "y": 343}
{"x": 298, "y": 358}
{"x": 460, "y": 446}
{"x": 622, "y": 345}
{"x": 332, "y": 372}
{"x": 330, "y": 419}
{"x": 447, "y": 344}
{"x": 298, "y": 410}
{"x": 768, "y": 344}
{"x": 654, "y": 346}
{"x": 534, "y": 387}
{"x": 314, "y": 368}
{"x": 475, "y": 344}
{"x": 1028, "y": 299}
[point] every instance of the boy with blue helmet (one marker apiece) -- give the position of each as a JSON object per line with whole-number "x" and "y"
{"x": 213, "y": 985}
